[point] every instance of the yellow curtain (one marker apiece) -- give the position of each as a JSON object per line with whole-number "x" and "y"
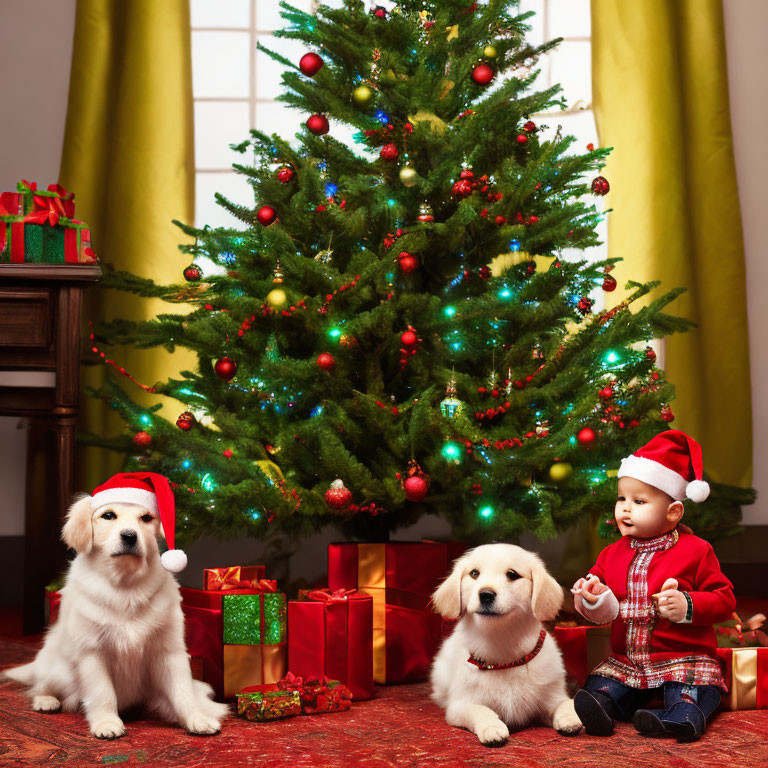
{"x": 128, "y": 156}
{"x": 660, "y": 91}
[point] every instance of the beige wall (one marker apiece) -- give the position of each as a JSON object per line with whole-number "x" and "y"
{"x": 35, "y": 50}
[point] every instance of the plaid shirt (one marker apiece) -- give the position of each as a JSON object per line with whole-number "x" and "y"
{"x": 638, "y": 612}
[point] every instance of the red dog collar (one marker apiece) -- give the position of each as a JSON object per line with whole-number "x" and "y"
{"x": 518, "y": 663}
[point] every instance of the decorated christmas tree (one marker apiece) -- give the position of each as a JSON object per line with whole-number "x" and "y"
{"x": 402, "y": 327}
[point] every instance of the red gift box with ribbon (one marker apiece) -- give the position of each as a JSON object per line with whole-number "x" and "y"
{"x": 39, "y": 227}
{"x": 400, "y": 577}
{"x": 330, "y": 635}
{"x": 745, "y": 671}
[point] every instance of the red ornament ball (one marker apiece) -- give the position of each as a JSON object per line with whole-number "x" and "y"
{"x": 415, "y": 488}
{"x": 650, "y": 353}
{"x": 185, "y": 421}
{"x": 338, "y": 496}
{"x": 388, "y": 152}
{"x": 142, "y": 439}
{"x": 192, "y": 273}
{"x": 482, "y": 74}
{"x": 606, "y": 392}
{"x": 600, "y": 186}
{"x": 284, "y": 174}
{"x": 529, "y": 126}
{"x": 225, "y": 368}
{"x": 318, "y": 124}
{"x": 310, "y": 64}
{"x": 586, "y": 437}
{"x": 266, "y": 215}
{"x": 522, "y": 138}
{"x": 409, "y": 338}
{"x": 462, "y": 188}
{"x": 407, "y": 262}
{"x": 326, "y": 361}
{"x": 609, "y": 283}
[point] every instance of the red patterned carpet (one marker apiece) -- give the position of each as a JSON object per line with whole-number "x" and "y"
{"x": 398, "y": 729}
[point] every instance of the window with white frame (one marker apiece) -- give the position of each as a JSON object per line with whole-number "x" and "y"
{"x": 235, "y": 85}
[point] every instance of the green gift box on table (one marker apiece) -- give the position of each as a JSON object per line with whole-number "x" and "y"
{"x": 260, "y": 703}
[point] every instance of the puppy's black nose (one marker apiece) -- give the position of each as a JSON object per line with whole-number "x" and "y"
{"x": 129, "y": 537}
{"x": 487, "y": 596}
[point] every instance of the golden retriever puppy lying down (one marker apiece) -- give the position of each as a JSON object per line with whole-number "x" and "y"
{"x": 500, "y": 669}
{"x": 119, "y": 638}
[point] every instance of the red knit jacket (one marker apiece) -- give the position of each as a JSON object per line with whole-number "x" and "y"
{"x": 693, "y": 563}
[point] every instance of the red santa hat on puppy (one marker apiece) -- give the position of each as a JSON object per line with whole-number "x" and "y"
{"x": 671, "y": 462}
{"x": 153, "y": 492}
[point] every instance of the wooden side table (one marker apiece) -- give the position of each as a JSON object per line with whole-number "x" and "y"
{"x": 40, "y": 331}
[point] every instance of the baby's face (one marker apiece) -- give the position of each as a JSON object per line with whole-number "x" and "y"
{"x": 642, "y": 510}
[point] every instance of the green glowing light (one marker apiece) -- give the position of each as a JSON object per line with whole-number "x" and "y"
{"x": 391, "y": 202}
{"x": 334, "y": 333}
{"x": 145, "y": 420}
{"x": 486, "y": 512}
{"x": 449, "y": 311}
{"x": 208, "y": 482}
{"x": 611, "y": 358}
{"x": 505, "y": 293}
{"x": 451, "y": 452}
{"x": 572, "y": 440}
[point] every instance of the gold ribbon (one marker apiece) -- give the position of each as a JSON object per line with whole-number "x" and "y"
{"x": 372, "y": 580}
{"x": 246, "y": 665}
{"x": 743, "y": 693}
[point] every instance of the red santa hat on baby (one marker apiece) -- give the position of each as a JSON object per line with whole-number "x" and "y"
{"x": 153, "y": 492}
{"x": 671, "y": 462}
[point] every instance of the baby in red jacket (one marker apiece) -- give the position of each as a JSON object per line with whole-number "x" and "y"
{"x": 662, "y": 589}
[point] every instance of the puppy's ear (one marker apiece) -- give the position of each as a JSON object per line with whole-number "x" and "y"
{"x": 547, "y": 597}
{"x": 446, "y": 599}
{"x": 78, "y": 531}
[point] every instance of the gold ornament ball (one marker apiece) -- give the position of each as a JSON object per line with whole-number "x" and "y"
{"x": 489, "y": 51}
{"x": 277, "y": 297}
{"x": 408, "y": 176}
{"x": 390, "y": 77}
{"x": 560, "y": 471}
{"x": 362, "y": 96}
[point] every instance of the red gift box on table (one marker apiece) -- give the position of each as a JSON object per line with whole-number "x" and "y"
{"x": 331, "y": 636}
{"x": 400, "y": 577}
{"x": 211, "y": 617}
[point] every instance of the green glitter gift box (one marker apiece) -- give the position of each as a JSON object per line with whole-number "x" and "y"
{"x": 256, "y": 619}
{"x": 267, "y": 702}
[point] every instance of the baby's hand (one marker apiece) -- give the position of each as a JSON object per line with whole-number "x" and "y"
{"x": 670, "y": 602}
{"x": 589, "y": 588}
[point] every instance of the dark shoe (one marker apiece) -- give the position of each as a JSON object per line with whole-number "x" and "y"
{"x": 685, "y": 721}
{"x": 648, "y": 722}
{"x": 592, "y": 712}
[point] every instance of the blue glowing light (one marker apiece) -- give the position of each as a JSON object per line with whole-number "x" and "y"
{"x": 456, "y": 346}
{"x": 145, "y": 420}
{"x": 254, "y": 514}
{"x": 227, "y": 257}
{"x": 208, "y": 482}
{"x": 186, "y": 464}
{"x": 331, "y": 190}
{"x": 316, "y": 411}
{"x": 505, "y": 293}
{"x": 391, "y": 202}
{"x": 572, "y": 440}
{"x": 514, "y": 245}
{"x": 382, "y": 117}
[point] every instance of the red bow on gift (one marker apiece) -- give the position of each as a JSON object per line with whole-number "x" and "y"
{"x": 27, "y": 186}
{"x": 291, "y": 682}
{"x": 52, "y": 207}
{"x": 326, "y": 596}
{"x": 750, "y": 631}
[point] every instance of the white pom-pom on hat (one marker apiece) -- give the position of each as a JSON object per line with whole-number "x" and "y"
{"x": 174, "y": 560}
{"x": 697, "y": 490}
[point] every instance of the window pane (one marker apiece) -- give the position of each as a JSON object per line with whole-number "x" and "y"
{"x": 536, "y": 23}
{"x": 274, "y": 117}
{"x": 571, "y": 66}
{"x": 220, "y": 64}
{"x": 569, "y": 18}
{"x": 220, "y": 13}
{"x": 268, "y": 13}
{"x": 269, "y": 72}
{"x": 232, "y": 186}
{"x": 217, "y": 125}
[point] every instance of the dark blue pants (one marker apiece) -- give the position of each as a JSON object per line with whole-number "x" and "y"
{"x": 626, "y": 701}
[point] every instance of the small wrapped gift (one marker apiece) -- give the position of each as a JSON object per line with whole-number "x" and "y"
{"x": 400, "y": 577}
{"x": 234, "y": 577}
{"x": 745, "y": 671}
{"x": 736, "y": 633}
{"x": 260, "y": 703}
{"x": 331, "y": 636}
{"x": 318, "y": 696}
